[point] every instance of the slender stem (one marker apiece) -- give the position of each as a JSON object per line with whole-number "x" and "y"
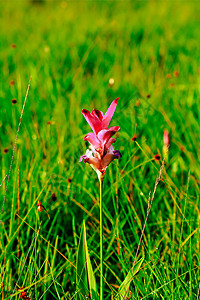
{"x": 101, "y": 241}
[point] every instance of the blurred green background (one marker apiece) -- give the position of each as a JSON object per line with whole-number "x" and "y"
{"x": 71, "y": 50}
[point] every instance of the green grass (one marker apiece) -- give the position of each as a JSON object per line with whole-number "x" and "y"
{"x": 71, "y": 50}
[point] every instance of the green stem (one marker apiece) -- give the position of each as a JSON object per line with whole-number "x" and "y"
{"x": 101, "y": 241}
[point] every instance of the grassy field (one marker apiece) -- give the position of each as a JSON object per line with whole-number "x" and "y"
{"x": 71, "y": 50}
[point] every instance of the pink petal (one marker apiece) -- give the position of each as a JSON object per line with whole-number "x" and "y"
{"x": 98, "y": 114}
{"x": 94, "y": 122}
{"x": 108, "y": 116}
{"x": 94, "y": 141}
{"x": 85, "y": 157}
{"x": 109, "y": 143}
{"x": 105, "y": 134}
{"x": 114, "y": 128}
{"x": 95, "y": 162}
{"x": 108, "y": 158}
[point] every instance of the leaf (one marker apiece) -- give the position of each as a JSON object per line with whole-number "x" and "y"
{"x": 85, "y": 279}
{"x": 124, "y": 287}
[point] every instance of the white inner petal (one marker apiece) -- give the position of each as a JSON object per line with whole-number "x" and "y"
{"x": 89, "y": 153}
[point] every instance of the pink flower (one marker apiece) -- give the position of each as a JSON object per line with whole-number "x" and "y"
{"x": 101, "y": 152}
{"x": 97, "y": 120}
{"x": 166, "y": 137}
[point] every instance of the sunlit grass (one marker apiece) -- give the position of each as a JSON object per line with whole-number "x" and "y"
{"x": 71, "y": 50}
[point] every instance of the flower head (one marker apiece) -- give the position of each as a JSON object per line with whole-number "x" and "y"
{"x": 101, "y": 151}
{"x": 97, "y": 120}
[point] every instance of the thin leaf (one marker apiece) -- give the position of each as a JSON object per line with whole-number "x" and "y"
{"x": 124, "y": 287}
{"x": 85, "y": 278}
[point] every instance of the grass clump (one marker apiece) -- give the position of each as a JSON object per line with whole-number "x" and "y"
{"x": 71, "y": 50}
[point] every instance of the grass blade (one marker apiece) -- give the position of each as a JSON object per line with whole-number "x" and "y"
{"x": 124, "y": 287}
{"x": 85, "y": 279}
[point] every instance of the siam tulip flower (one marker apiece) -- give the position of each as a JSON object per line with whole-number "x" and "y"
{"x": 101, "y": 152}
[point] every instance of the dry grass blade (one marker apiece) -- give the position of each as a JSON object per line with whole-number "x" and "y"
{"x": 13, "y": 153}
{"x": 3, "y": 181}
{"x": 198, "y": 292}
{"x": 150, "y": 202}
{"x": 23, "y": 266}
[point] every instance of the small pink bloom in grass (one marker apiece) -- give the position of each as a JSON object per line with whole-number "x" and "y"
{"x": 166, "y": 137}
{"x": 166, "y": 145}
{"x": 101, "y": 152}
